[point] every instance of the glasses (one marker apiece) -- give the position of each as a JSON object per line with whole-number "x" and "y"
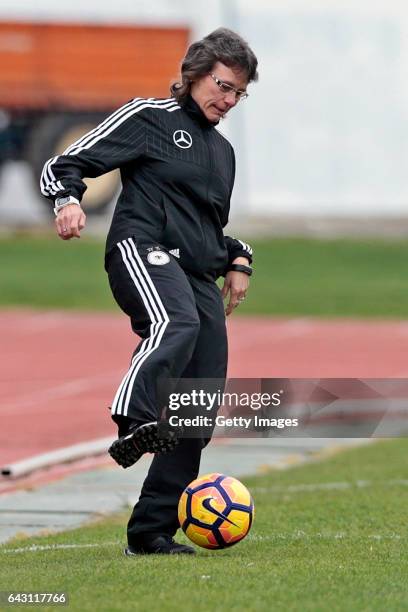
{"x": 226, "y": 88}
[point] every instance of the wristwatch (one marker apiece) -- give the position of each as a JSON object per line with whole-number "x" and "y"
{"x": 65, "y": 201}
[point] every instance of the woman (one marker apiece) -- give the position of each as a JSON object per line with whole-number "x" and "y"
{"x": 164, "y": 251}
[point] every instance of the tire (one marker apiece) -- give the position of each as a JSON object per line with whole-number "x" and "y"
{"x": 51, "y": 136}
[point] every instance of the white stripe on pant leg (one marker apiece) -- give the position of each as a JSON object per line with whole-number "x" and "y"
{"x": 147, "y": 276}
{"x": 162, "y": 315}
{"x": 138, "y": 364}
{"x": 146, "y": 344}
{"x": 144, "y": 347}
{"x": 117, "y": 402}
{"x": 142, "y": 274}
{"x": 116, "y": 407}
{"x": 152, "y": 342}
{"x": 147, "y": 349}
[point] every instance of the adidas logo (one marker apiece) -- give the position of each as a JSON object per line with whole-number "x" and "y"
{"x": 175, "y": 252}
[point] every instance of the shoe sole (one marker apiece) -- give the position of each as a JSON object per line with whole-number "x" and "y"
{"x": 148, "y": 438}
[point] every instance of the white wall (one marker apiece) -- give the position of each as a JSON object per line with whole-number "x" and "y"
{"x": 325, "y": 130}
{"x": 330, "y": 129}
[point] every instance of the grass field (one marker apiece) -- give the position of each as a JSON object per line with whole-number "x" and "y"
{"x": 329, "y": 535}
{"x": 293, "y": 277}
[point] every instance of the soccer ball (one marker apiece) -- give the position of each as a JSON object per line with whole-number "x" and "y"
{"x": 216, "y": 511}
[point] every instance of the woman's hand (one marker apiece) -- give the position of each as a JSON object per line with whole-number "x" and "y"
{"x": 236, "y": 284}
{"x": 70, "y": 221}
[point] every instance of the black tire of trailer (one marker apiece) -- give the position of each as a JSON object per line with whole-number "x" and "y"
{"x": 51, "y": 136}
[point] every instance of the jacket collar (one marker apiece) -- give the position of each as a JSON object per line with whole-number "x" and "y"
{"x": 190, "y": 106}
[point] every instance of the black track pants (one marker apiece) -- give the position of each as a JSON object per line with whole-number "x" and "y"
{"x": 182, "y": 325}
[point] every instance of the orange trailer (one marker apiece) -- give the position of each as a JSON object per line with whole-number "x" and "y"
{"x": 59, "y": 80}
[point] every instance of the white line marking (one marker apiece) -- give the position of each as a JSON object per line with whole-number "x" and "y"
{"x": 328, "y": 486}
{"x": 37, "y": 548}
{"x": 300, "y": 535}
{"x": 296, "y": 535}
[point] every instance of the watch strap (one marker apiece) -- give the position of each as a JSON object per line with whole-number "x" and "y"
{"x": 240, "y": 268}
{"x": 64, "y": 201}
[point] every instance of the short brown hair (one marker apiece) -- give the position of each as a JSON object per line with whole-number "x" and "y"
{"x": 222, "y": 45}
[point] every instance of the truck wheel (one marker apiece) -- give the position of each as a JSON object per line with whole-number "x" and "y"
{"x": 52, "y": 136}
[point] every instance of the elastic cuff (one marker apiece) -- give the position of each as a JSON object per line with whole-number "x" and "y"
{"x": 239, "y": 253}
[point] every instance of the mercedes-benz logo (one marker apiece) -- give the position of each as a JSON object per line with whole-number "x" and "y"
{"x": 182, "y": 139}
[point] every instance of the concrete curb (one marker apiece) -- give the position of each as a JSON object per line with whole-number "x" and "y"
{"x": 66, "y": 454}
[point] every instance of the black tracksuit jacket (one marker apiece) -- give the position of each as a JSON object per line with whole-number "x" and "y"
{"x": 177, "y": 174}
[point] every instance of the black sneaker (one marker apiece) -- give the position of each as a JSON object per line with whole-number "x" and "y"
{"x": 148, "y": 438}
{"x": 160, "y": 545}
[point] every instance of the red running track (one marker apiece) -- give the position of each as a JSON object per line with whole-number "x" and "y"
{"x": 59, "y": 370}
